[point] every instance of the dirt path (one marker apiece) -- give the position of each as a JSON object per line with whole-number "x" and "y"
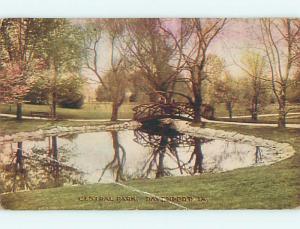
{"x": 261, "y": 115}
{"x": 49, "y": 119}
{"x": 250, "y": 124}
{"x": 203, "y": 119}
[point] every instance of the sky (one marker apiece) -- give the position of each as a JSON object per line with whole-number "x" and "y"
{"x": 237, "y": 36}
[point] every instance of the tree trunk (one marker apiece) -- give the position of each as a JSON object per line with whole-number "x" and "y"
{"x": 54, "y": 92}
{"x": 115, "y": 111}
{"x": 115, "y": 107}
{"x": 54, "y": 104}
{"x": 281, "y": 116}
{"x": 197, "y": 108}
{"x": 19, "y": 111}
{"x": 197, "y": 87}
{"x": 229, "y": 109}
{"x": 254, "y": 108}
{"x": 282, "y": 107}
{"x": 213, "y": 111}
{"x": 254, "y": 116}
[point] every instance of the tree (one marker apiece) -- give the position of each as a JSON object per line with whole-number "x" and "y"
{"x": 281, "y": 45}
{"x": 62, "y": 50}
{"x": 227, "y": 92}
{"x": 139, "y": 88}
{"x": 69, "y": 93}
{"x": 69, "y": 90}
{"x": 184, "y": 45}
{"x": 40, "y": 89}
{"x": 13, "y": 86}
{"x": 150, "y": 49}
{"x": 194, "y": 52}
{"x": 20, "y": 41}
{"x": 256, "y": 88}
{"x": 214, "y": 69}
{"x": 114, "y": 83}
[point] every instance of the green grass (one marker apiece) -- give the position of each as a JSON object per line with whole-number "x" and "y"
{"x": 88, "y": 111}
{"x": 267, "y": 187}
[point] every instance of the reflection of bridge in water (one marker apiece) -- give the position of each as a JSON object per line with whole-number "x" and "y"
{"x": 152, "y": 137}
{"x": 164, "y": 142}
{"x": 154, "y": 111}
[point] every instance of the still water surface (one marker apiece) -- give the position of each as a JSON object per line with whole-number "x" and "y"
{"x": 115, "y": 156}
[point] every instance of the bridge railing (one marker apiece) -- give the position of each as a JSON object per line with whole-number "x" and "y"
{"x": 160, "y": 110}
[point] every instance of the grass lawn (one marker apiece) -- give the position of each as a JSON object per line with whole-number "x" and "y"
{"x": 88, "y": 111}
{"x": 267, "y": 187}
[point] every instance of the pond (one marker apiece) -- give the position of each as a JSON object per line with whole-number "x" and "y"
{"x": 111, "y": 156}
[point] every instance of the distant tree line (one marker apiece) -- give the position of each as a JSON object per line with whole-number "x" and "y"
{"x": 43, "y": 61}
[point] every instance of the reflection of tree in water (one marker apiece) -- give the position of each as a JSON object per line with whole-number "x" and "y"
{"x": 197, "y": 153}
{"x": 258, "y": 154}
{"x": 231, "y": 150}
{"x": 19, "y": 170}
{"x": 14, "y": 175}
{"x": 116, "y": 165}
{"x": 160, "y": 152}
{"x": 164, "y": 142}
{"x": 40, "y": 168}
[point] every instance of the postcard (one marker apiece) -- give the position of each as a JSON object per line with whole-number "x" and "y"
{"x": 149, "y": 113}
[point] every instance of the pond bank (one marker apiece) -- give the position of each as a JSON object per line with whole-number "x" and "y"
{"x": 283, "y": 150}
{"x": 64, "y": 130}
